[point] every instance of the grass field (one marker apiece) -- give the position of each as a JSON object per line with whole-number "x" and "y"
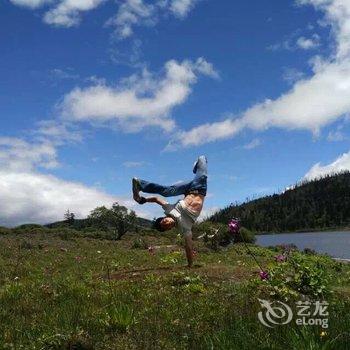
{"x": 79, "y": 293}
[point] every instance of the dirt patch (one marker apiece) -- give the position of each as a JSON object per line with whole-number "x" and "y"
{"x": 212, "y": 272}
{"x": 224, "y": 273}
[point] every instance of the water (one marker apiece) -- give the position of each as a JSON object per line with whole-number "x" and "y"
{"x": 336, "y": 244}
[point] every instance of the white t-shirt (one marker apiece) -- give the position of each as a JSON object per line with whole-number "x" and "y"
{"x": 184, "y": 217}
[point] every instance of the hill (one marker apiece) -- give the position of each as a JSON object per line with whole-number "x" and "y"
{"x": 315, "y": 205}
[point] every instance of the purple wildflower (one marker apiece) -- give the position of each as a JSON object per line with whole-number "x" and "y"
{"x": 280, "y": 258}
{"x": 264, "y": 275}
{"x": 234, "y": 226}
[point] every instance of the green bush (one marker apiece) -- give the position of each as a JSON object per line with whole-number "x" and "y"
{"x": 214, "y": 235}
{"x": 139, "y": 243}
{"x": 245, "y": 235}
{"x": 5, "y": 230}
{"x": 299, "y": 275}
{"x": 217, "y": 235}
{"x": 29, "y": 227}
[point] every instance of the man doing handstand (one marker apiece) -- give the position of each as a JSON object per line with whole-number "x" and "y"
{"x": 185, "y": 212}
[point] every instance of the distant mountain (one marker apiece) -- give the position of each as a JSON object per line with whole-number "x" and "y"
{"x": 315, "y": 205}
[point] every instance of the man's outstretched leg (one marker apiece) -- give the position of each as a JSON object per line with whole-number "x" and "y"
{"x": 165, "y": 191}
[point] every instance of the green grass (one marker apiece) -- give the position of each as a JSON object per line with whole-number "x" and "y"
{"x": 59, "y": 293}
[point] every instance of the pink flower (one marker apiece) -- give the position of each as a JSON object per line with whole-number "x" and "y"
{"x": 280, "y": 258}
{"x": 264, "y": 275}
{"x": 78, "y": 258}
{"x": 234, "y": 226}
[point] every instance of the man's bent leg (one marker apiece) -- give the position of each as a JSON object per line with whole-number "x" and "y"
{"x": 165, "y": 191}
{"x": 201, "y": 167}
{"x": 199, "y": 182}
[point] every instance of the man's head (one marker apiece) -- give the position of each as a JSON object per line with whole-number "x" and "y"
{"x": 164, "y": 224}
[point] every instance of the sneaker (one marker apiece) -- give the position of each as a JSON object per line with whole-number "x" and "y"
{"x": 195, "y": 166}
{"x": 136, "y": 189}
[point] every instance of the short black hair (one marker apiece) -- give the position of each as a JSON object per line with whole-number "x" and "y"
{"x": 157, "y": 225}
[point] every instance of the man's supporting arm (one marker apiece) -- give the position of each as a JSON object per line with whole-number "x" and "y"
{"x": 189, "y": 249}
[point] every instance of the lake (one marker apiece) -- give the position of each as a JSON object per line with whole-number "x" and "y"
{"x": 336, "y": 244}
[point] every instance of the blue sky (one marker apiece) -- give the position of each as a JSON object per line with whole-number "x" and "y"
{"x": 93, "y": 93}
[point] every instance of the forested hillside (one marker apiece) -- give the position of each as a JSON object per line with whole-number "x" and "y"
{"x": 318, "y": 204}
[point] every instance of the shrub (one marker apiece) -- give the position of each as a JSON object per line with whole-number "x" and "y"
{"x": 214, "y": 235}
{"x": 66, "y": 233}
{"x": 245, "y": 235}
{"x": 5, "y": 230}
{"x": 139, "y": 243}
{"x": 29, "y": 227}
{"x": 299, "y": 275}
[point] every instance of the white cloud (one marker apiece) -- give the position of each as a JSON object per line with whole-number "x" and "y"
{"x": 206, "y": 68}
{"x": 252, "y": 144}
{"x": 181, "y": 8}
{"x": 140, "y": 13}
{"x": 28, "y": 195}
{"x": 308, "y": 43}
{"x": 311, "y": 103}
{"x": 294, "y": 42}
{"x": 137, "y": 101}
{"x": 131, "y": 164}
{"x": 340, "y": 164}
{"x": 292, "y": 75}
{"x": 56, "y": 132}
{"x": 17, "y": 154}
{"x": 337, "y": 13}
{"x": 336, "y": 135}
{"x": 67, "y": 12}
{"x": 284, "y": 45}
{"x": 130, "y": 13}
{"x": 34, "y": 197}
{"x": 30, "y": 3}
{"x": 63, "y": 74}
{"x": 204, "y": 134}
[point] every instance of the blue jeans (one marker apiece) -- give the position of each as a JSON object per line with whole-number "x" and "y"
{"x": 197, "y": 185}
